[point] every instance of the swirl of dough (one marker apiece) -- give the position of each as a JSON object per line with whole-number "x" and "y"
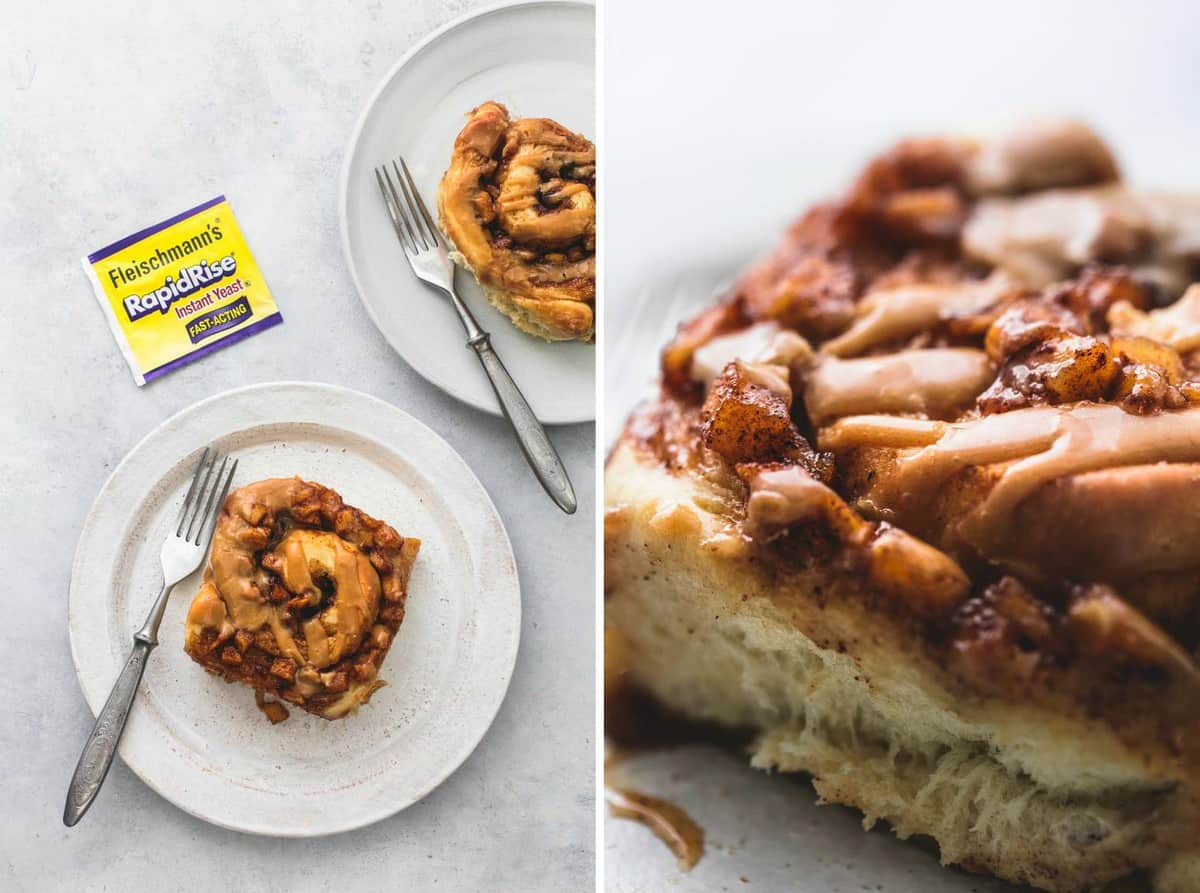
{"x": 302, "y": 595}
{"x": 518, "y": 203}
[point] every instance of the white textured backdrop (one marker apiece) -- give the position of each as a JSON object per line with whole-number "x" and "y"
{"x": 114, "y": 116}
{"x": 721, "y": 125}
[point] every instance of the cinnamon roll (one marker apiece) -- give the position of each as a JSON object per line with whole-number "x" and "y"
{"x": 916, "y": 505}
{"x": 518, "y": 203}
{"x": 302, "y": 597}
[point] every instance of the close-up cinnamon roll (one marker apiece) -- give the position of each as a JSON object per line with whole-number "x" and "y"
{"x": 914, "y": 509}
{"x": 518, "y": 203}
{"x": 302, "y": 598}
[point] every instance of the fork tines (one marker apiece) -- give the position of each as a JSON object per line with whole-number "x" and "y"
{"x": 201, "y": 505}
{"x": 414, "y": 226}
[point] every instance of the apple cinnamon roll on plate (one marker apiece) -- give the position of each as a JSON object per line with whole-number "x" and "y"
{"x": 917, "y": 505}
{"x": 518, "y": 203}
{"x": 302, "y": 598}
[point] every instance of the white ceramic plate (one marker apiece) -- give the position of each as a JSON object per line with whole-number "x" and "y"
{"x": 201, "y": 742}
{"x": 537, "y": 59}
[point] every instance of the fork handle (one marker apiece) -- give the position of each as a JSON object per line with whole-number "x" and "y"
{"x": 539, "y": 451}
{"x": 101, "y": 745}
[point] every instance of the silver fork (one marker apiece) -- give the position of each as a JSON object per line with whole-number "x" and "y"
{"x": 182, "y": 553}
{"x": 430, "y": 260}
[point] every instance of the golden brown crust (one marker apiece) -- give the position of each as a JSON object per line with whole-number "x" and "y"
{"x": 518, "y": 202}
{"x": 883, "y": 300}
{"x": 302, "y": 596}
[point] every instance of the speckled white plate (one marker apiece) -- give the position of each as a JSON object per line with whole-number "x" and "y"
{"x": 539, "y": 60}
{"x": 201, "y": 742}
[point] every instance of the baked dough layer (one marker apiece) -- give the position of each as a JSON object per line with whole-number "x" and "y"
{"x": 1036, "y": 793}
{"x": 302, "y": 596}
{"x": 913, "y": 505}
{"x": 518, "y": 203}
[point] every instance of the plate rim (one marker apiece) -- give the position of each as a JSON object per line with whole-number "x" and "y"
{"x": 368, "y": 817}
{"x": 343, "y": 186}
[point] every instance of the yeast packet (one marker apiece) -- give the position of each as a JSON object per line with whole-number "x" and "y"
{"x": 176, "y": 291}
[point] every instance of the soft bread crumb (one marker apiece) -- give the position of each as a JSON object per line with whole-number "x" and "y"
{"x": 1180, "y": 875}
{"x": 502, "y": 301}
{"x": 1031, "y": 798}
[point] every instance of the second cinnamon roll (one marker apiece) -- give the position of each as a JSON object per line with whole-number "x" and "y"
{"x": 518, "y": 203}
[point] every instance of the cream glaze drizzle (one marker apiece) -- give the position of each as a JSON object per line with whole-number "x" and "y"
{"x": 935, "y": 382}
{"x": 352, "y": 698}
{"x": 1041, "y": 443}
{"x": 1043, "y": 237}
{"x": 885, "y": 316}
{"x": 242, "y": 585}
{"x": 1039, "y": 155}
{"x": 783, "y": 496}
{"x": 745, "y": 344}
{"x": 337, "y": 630}
{"x": 765, "y": 375}
{"x": 207, "y": 611}
{"x": 879, "y": 431}
{"x": 787, "y": 348}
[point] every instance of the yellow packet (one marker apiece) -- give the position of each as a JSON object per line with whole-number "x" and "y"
{"x": 176, "y": 291}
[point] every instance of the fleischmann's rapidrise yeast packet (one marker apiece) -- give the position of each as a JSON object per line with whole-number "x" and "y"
{"x": 181, "y": 289}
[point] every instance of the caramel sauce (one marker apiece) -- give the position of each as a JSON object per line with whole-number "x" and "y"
{"x": 670, "y": 823}
{"x": 635, "y": 721}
